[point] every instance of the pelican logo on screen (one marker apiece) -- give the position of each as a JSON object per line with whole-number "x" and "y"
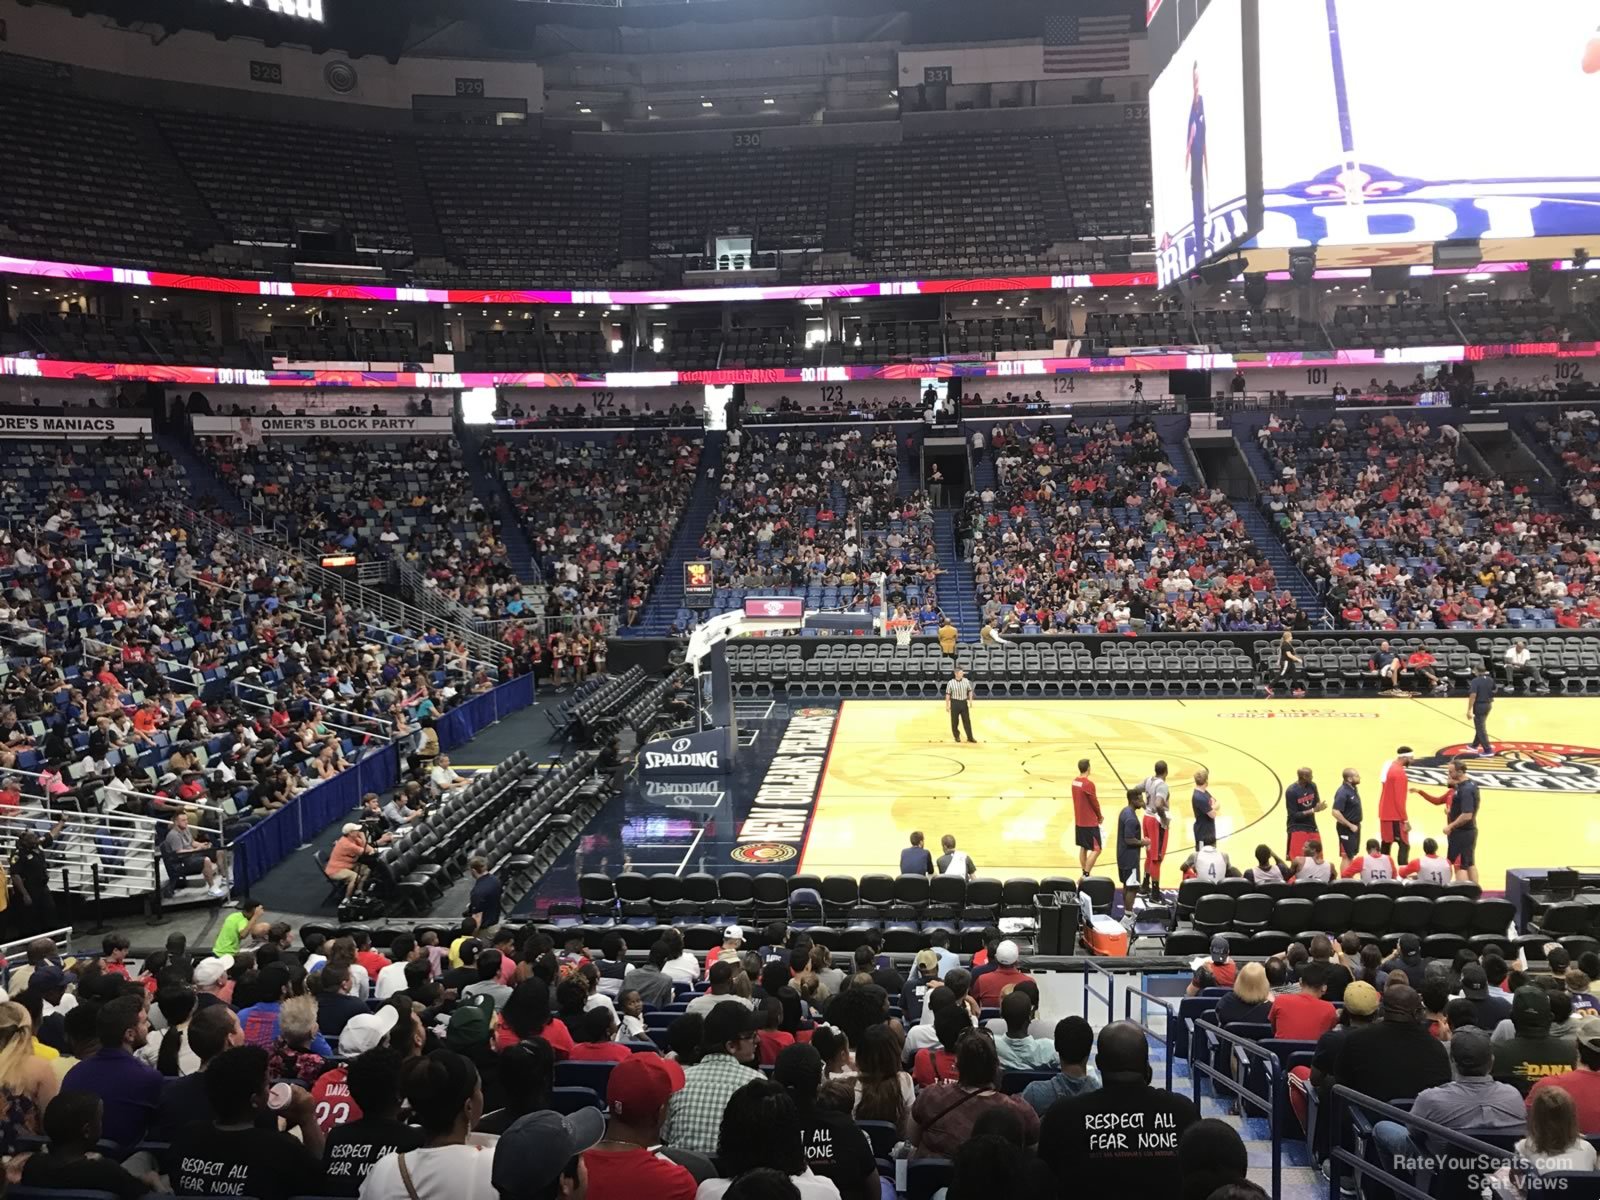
{"x": 697, "y": 577}
{"x": 1518, "y": 767}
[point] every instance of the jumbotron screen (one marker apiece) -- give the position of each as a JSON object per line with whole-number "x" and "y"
{"x": 1426, "y": 120}
{"x": 1201, "y": 132}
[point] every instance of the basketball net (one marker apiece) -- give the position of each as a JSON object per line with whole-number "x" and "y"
{"x": 902, "y": 631}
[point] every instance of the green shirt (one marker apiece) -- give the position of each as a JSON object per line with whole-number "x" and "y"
{"x": 229, "y": 935}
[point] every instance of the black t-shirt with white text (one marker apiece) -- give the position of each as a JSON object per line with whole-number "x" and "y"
{"x": 262, "y": 1163}
{"x": 1120, "y": 1140}
{"x": 837, "y": 1150}
{"x": 350, "y": 1151}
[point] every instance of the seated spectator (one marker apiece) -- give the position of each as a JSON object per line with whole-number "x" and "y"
{"x": 446, "y": 1100}
{"x": 1018, "y": 1049}
{"x": 1305, "y": 1015}
{"x": 1582, "y": 1083}
{"x": 526, "y": 1074}
{"x": 1219, "y": 972}
{"x": 345, "y": 859}
{"x": 541, "y": 1156}
{"x": 371, "y": 1128}
{"x": 1473, "y": 1100}
{"x": 998, "y": 1161}
{"x": 598, "y": 1044}
{"x": 489, "y": 982}
{"x": 71, "y": 1161}
{"x": 1141, "y": 1156}
{"x": 166, "y": 1049}
{"x": 211, "y": 1031}
{"x": 1073, "y": 1042}
{"x": 883, "y": 1091}
{"x": 28, "y": 1082}
{"x": 832, "y": 1144}
{"x": 760, "y": 1129}
{"x": 727, "y": 1052}
{"x": 1395, "y": 1057}
{"x": 1553, "y": 1142}
{"x": 1211, "y": 1155}
{"x": 1250, "y": 1001}
{"x": 936, "y": 1062}
{"x": 990, "y": 985}
{"x": 625, "y": 1163}
{"x": 336, "y": 1007}
{"x": 1532, "y": 1051}
{"x": 650, "y": 979}
{"x": 131, "y": 1090}
{"x": 720, "y": 981}
{"x": 943, "y": 1116}
{"x": 232, "y": 1154}
{"x": 527, "y": 1015}
{"x": 291, "y": 1056}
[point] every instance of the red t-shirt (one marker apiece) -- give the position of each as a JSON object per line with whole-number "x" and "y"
{"x": 1300, "y": 1017}
{"x": 599, "y": 1052}
{"x": 334, "y": 1104}
{"x": 933, "y": 1066}
{"x": 1085, "y": 801}
{"x": 1584, "y": 1088}
{"x": 625, "y": 1174}
{"x": 771, "y": 1044}
{"x": 1222, "y": 973}
{"x": 372, "y": 961}
{"x": 555, "y": 1034}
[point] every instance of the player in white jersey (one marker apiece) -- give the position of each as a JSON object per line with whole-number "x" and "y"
{"x": 1313, "y": 868}
{"x": 1210, "y": 864}
{"x": 1430, "y": 868}
{"x": 1374, "y": 866}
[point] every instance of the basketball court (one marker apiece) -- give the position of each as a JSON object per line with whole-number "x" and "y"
{"x": 892, "y": 767}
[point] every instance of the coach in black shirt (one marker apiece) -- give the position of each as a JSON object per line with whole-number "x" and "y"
{"x": 1480, "y": 699}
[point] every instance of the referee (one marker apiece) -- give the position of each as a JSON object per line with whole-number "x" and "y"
{"x": 958, "y": 703}
{"x": 1480, "y": 699}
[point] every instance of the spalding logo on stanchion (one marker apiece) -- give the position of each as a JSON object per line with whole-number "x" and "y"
{"x": 706, "y": 752}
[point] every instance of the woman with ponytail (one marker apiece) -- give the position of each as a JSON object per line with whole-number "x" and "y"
{"x": 27, "y": 1082}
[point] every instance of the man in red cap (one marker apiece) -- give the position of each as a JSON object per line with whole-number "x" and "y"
{"x": 622, "y": 1165}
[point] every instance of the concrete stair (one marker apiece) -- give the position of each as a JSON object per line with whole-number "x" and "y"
{"x": 203, "y": 482}
{"x": 489, "y": 489}
{"x": 1287, "y": 570}
{"x": 661, "y": 608}
{"x": 957, "y": 593}
{"x": 839, "y": 229}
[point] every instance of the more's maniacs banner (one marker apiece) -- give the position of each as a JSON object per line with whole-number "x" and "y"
{"x": 28, "y": 425}
{"x": 324, "y": 426}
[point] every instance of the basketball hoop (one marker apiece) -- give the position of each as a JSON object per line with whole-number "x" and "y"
{"x": 901, "y": 629}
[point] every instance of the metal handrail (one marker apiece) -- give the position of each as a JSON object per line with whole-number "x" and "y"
{"x": 1164, "y": 1037}
{"x": 1094, "y": 968}
{"x": 1275, "y": 1073}
{"x": 353, "y": 592}
{"x": 1345, "y": 1098}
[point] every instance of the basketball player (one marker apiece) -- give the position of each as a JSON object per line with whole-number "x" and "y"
{"x": 1157, "y": 819}
{"x": 1291, "y": 667}
{"x": 1347, "y": 816}
{"x": 1087, "y": 816}
{"x": 1205, "y": 809}
{"x": 1430, "y": 868}
{"x": 1393, "y": 827}
{"x": 1130, "y": 840}
{"x": 1194, "y": 158}
{"x": 1208, "y": 863}
{"x": 1480, "y": 699}
{"x": 1312, "y": 868}
{"x": 1374, "y": 866}
{"x": 1302, "y": 802}
{"x": 1461, "y": 828}
{"x": 958, "y": 703}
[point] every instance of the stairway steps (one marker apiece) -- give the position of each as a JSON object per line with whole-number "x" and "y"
{"x": 661, "y": 609}
{"x": 203, "y": 483}
{"x": 422, "y": 223}
{"x": 519, "y": 551}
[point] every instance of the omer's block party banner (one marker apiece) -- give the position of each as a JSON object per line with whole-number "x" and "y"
{"x": 324, "y": 426}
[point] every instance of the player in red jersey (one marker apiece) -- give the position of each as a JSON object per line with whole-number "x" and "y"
{"x": 1086, "y": 817}
{"x": 1394, "y": 829}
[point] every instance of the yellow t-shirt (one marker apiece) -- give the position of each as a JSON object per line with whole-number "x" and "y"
{"x": 40, "y": 1050}
{"x": 947, "y": 638}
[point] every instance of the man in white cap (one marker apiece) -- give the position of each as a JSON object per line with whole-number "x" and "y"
{"x": 732, "y": 946}
{"x": 991, "y": 985}
{"x": 212, "y": 983}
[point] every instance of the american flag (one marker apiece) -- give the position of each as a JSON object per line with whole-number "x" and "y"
{"x": 1086, "y": 45}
